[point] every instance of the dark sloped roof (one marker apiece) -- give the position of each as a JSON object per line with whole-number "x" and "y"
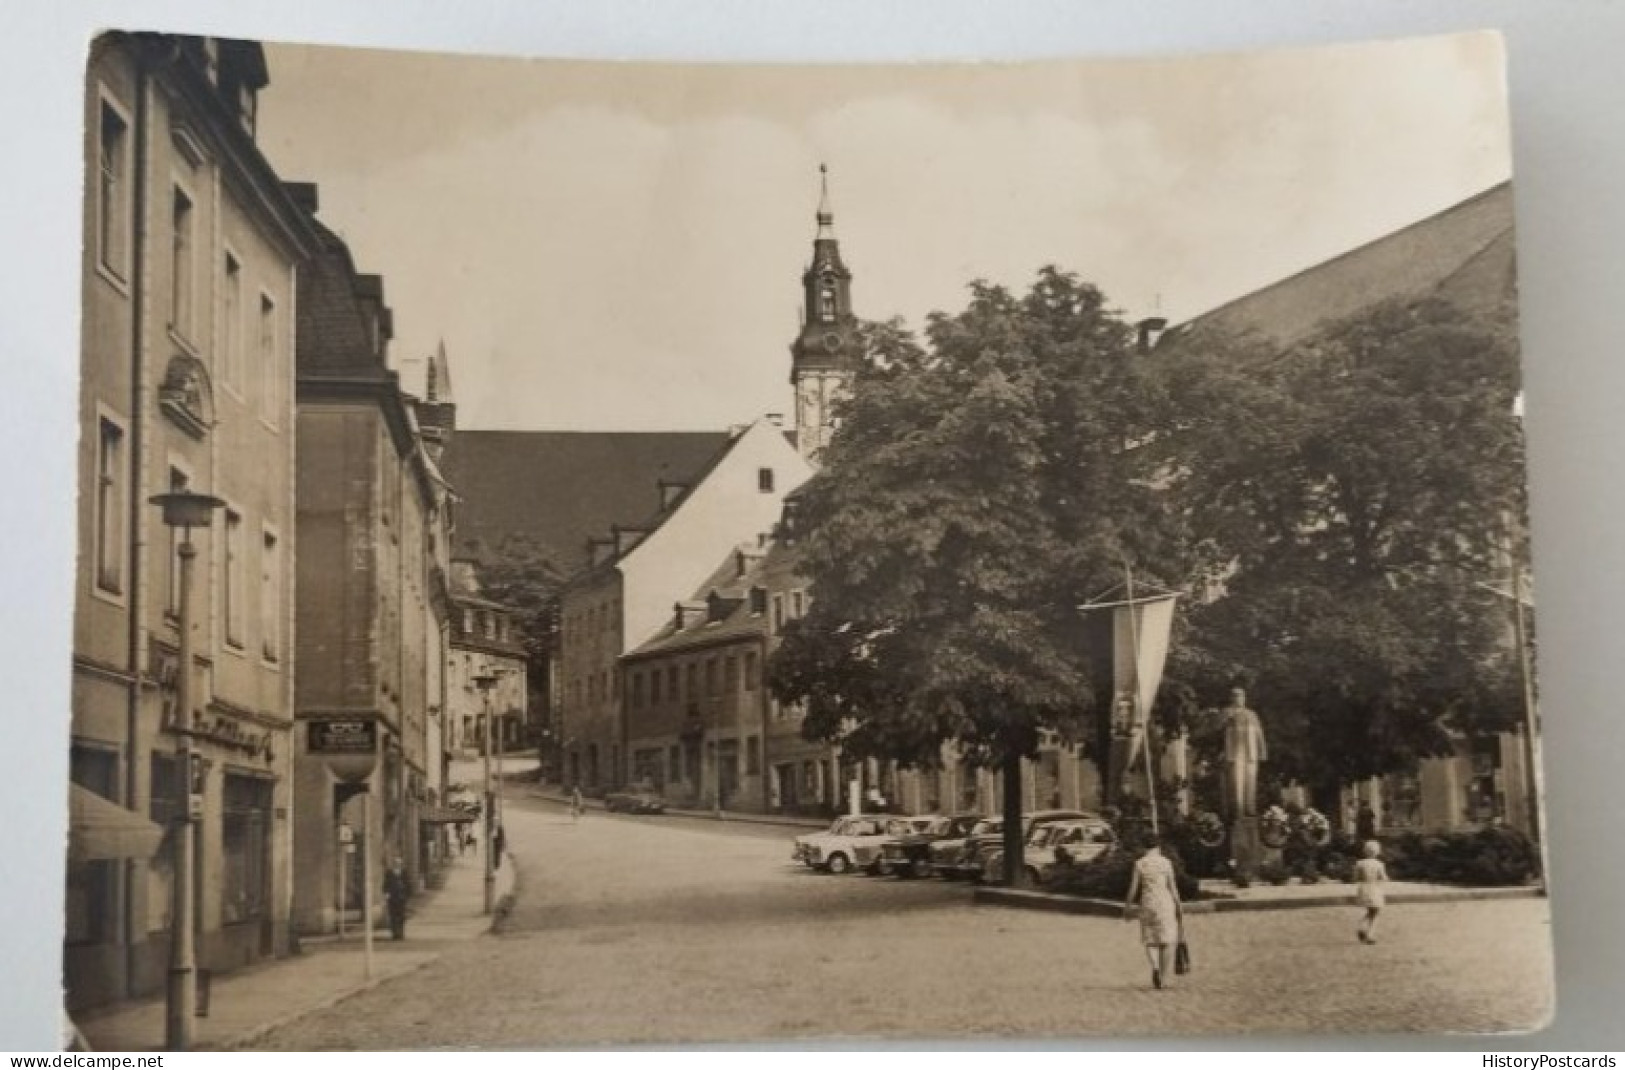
{"x": 563, "y": 487}
{"x": 1463, "y": 254}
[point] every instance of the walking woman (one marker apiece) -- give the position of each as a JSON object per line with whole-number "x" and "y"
{"x": 1369, "y": 876}
{"x": 1154, "y": 890}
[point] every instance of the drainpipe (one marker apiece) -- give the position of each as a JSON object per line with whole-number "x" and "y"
{"x": 138, "y": 492}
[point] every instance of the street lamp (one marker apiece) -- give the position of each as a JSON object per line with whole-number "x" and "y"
{"x": 183, "y": 511}
{"x": 485, "y": 681}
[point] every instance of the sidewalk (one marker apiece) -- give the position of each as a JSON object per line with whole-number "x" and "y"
{"x": 1227, "y": 898}
{"x": 249, "y": 1003}
{"x": 550, "y": 793}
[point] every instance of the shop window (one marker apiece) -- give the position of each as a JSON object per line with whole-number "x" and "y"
{"x": 91, "y": 904}
{"x": 245, "y": 825}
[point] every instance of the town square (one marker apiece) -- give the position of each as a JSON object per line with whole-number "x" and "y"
{"x": 578, "y": 554}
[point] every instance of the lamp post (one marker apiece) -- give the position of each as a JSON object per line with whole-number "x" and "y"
{"x": 485, "y": 681}
{"x": 183, "y": 511}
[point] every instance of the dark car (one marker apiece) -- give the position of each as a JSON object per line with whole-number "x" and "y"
{"x": 910, "y": 856}
{"x": 634, "y": 802}
{"x": 978, "y": 846}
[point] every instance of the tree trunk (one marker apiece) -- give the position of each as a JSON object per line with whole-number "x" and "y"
{"x": 1014, "y": 834}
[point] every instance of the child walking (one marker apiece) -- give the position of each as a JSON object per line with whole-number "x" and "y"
{"x": 1369, "y": 876}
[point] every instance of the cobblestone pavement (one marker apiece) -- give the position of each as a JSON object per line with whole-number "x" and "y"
{"x": 631, "y": 931}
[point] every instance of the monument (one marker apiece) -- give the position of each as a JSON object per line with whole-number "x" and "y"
{"x": 1244, "y": 749}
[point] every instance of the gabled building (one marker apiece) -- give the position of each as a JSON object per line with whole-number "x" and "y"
{"x": 624, "y": 596}
{"x": 191, "y": 254}
{"x": 486, "y": 641}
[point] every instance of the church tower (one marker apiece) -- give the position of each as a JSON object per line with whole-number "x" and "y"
{"x": 824, "y": 356}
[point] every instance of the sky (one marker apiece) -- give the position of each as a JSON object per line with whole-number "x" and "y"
{"x": 618, "y": 246}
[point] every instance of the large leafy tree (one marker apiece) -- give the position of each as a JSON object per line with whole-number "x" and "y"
{"x": 1357, "y": 496}
{"x": 983, "y": 484}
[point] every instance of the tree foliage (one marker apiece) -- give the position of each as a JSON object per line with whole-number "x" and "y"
{"x": 981, "y": 486}
{"x": 524, "y": 574}
{"x": 1356, "y": 498}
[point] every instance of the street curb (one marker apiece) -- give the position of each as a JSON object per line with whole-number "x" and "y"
{"x": 710, "y": 815}
{"x": 253, "y": 1036}
{"x": 1105, "y": 908}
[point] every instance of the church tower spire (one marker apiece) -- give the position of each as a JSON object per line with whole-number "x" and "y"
{"x": 824, "y": 356}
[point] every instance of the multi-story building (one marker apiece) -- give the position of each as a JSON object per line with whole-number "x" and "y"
{"x": 374, "y": 598}
{"x": 485, "y": 642}
{"x": 624, "y": 597}
{"x": 191, "y": 253}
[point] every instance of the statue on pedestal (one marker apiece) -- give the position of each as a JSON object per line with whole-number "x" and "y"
{"x": 1244, "y": 748}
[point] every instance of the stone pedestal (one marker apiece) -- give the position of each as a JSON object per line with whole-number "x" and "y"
{"x": 1245, "y": 848}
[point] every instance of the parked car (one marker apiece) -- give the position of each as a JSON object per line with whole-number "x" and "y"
{"x": 850, "y": 842}
{"x": 1047, "y": 845}
{"x": 976, "y": 849}
{"x": 947, "y": 854}
{"x": 634, "y": 802}
{"x": 910, "y": 856}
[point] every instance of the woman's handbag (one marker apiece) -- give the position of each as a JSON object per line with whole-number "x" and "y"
{"x": 1182, "y": 957}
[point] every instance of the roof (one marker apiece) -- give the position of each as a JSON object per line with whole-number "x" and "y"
{"x": 728, "y": 581}
{"x": 1463, "y": 254}
{"x": 563, "y": 487}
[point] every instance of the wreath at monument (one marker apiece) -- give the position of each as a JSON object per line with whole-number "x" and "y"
{"x": 1209, "y": 829}
{"x": 1313, "y": 827}
{"x": 1275, "y": 827}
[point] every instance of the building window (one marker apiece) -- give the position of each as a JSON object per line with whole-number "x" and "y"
{"x": 778, "y": 613}
{"x": 637, "y": 690}
{"x": 691, "y": 689}
{"x": 182, "y": 251}
{"x": 245, "y": 848}
{"x": 764, "y": 480}
{"x": 753, "y": 671}
{"x": 110, "y": 507}
{"x": 654, "y": 687}
{"x": 112, "y": 211}
{"x": 231, "y": 324}
{"x": 271, "y": 597}
{"x": 674, "y": 764}
{"x": 753, "y": 756}
{"x": 798, "y": 605}
{"x": 232, "y": 588}
{"x": 672, "y": 692}
{"x": 270, "y": 366}
{"x": 730, "y": 674}
{"x": 712, "y": 686}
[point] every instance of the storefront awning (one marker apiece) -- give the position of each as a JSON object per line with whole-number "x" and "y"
{"x": 445, "y": 815}
{"x": 99, "y": 830}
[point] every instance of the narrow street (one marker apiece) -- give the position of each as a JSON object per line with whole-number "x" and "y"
{"x": 648, "y": 930}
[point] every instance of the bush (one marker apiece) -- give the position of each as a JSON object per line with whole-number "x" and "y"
{"x": 1482, "y": 857}
{"x": 1109, "y": 876}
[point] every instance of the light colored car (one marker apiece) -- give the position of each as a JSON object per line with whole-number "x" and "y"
{"x": 852, "y": 842}
{"x": 1081, "y": 840}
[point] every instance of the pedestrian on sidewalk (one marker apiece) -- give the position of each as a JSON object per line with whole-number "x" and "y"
{"x": 1155, "y": 893}
{"x": 1369, "y": 877}
{"x": 498, "y": 846}
{"x": 575, "y": 803}
{"x": 395, "y": 892}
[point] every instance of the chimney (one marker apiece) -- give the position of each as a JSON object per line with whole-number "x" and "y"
{"x": 304, "y": 195}
{"x": 600, "y": 551}
{"x": 670, "y": 492}
{"x": 686, "y": 613}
